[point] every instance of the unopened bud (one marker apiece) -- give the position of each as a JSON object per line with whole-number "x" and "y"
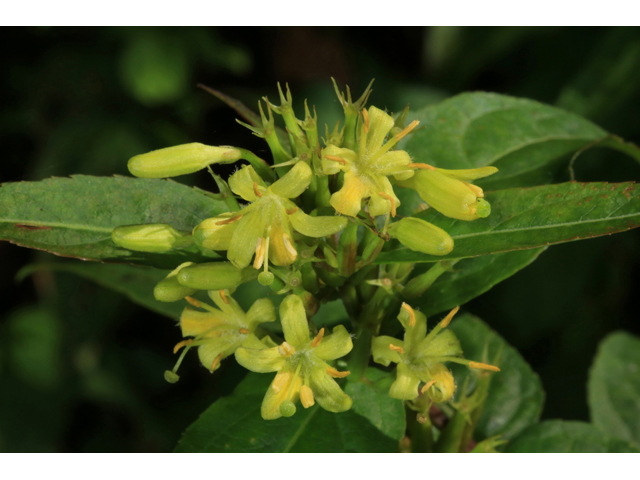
{"x": 421, "y": 236}
{"x": 155, "y": 238}
{"x": 169, "y": 290}
{"x": 215, "y": 276}
{"x": 180, "y": 160}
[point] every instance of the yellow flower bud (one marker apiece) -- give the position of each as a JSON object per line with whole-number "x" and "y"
{"x": 180, "y": 160}
{"x": 215, "y": 276}
{"x": 155, "y": 238}
{"x": 169, "y": 290}
{"x": 421, "y": 236}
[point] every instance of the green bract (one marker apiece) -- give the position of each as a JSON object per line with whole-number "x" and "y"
{"x": 301, "y": 363}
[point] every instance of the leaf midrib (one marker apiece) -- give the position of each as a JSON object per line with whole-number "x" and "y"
{"x": 70, "y": 226}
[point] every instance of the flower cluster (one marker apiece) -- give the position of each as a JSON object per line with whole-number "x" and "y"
{"x": 306, "y": 225}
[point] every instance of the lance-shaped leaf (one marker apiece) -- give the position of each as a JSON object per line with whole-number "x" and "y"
{"x": 524, "y": 218}
{"x": 74, "y": 217}
{"x": 528, "y": 141}
{"x": 234, "y": 424}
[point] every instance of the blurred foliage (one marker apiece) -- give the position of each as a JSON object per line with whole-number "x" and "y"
{"x": 81, "y": 367}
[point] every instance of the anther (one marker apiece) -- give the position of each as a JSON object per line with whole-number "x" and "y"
{"x": 333, "y": 158}
{"x": 316, "y": 341}
{"x": 365, "y": 116}
{"x": 406, "y": 131}
{"x": 260, "y": 251}
{"x": 412, "y": 314}
{"x": 244, "y": 331}
{"x": 289, "y": 246}
{"x": 332, "y": 372}
{"x": 230, "y": 220}
{"x": 255, "y": 189}
{"x": 291, "y": 211}
{"x": 483, "y": 366}
{"x": 427, "y": 385}
{"x": 286, "y": 350}
{"x": 395, "y": 348}
{"x": 280, "y": 381}
{"x": 223, "y": 297}
{"x": 216, "y": 361}
{"x": 421, "y": 166}
{"x": 306, "y": 396}
{"x": 449, "y": 317}
{"x": 193, "y": 302}
{"x": 477, "y": 191}
{"x": 181, "y": 344}
{"x": 391, "y": 200}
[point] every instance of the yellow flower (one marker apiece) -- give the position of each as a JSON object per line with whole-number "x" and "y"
{"x": 421, "y": 357}
{"x": 366, "y": 170}
{"x": 218, "y": 332}
{"x": 301, "y": 363}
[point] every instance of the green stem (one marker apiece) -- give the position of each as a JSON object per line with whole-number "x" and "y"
{"x": 421, "y": 434}
{"x": 451, "y": 437}
{"x": 359, "y": 358}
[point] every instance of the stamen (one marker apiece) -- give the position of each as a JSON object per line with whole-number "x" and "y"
{"x": 181, "y": 344}
{"x": 291, "y": 211}
{"x": 395, "y": 348}
{"x": 393, "y": 202}
{"x": 483, "y": 366}
{"x": 473, "y": 210}
{"x": 255, "y": 189}
{"x": 260, "y": 249}
{"x": 223, "y": 297}
{"x": 449, "y": 317}
{"x": 193, "y": 302}
{"x": 412, "y": 314}
{"x": 306, "y": 396}
{"x": 289, "y": 246}
{"x": 280, "y": 381}
{"x": 286, "y": 350}
{"x": 365, "y": 116}
{"x": 230, "y": 220}
{"x": 333, "y": 158}
{"x": 332, "y": 372}
{"x": 477, "y": 191}
{"x": 316, "y": 341}
{"x": 421, "y": 166}
{"x": 216, "y": 361}
{"x": 427, "y": 385}
{"x": 244, "y": 331}
{"x": 406, "y": 131}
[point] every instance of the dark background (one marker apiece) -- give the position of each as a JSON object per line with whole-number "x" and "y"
{"x": 81, "y": 368}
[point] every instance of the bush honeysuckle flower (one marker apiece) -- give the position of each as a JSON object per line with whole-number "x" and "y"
{"x": 450, "y": 191}
{"x": 218, "y": 332}
{"x": 301, "y": 363}
{"x": 421, "y": 357}
{"x": 265, "y": 226}
{"x": 366, "y": 170}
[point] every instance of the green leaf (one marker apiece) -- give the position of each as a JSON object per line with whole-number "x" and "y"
{"x": 371, "y": 400}
{"x": 74, "y": 217}
{"x": 528, "y": 142}
{"x": 557, "y": 436}
{"x": 135, "y": 283}
{"x": 234, "y": 424}
{"x": 614, "y": 387}
{"x": 472, "y": 277}
{"x": 533, "y": 217}
{"x": 515, "y": 398}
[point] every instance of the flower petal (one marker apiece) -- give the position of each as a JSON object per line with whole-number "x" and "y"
{"x": 317, "y": 226}
{"x": 379, "y": 205}
{"x": 380, "y": 123}
{"x": 392, "y": 163}
{"x": 327, "y": 392}
{"x": 336, "y": 345}
{"x": 241, "y": 183}
{"x": 469, "y": 173}
{"x": 261, "y": 360}
{"x": 282, "y": 250}
{"x": 348, "y": 200}
{"x": 445, "y": 344}
{"x": 406, "y": 385}
{"x": 245, "y": 238}
{"x": 330, "y": 167}
{"x": 294, "y": 321}
{"x": 382, "y": 354}
{"x": 262, "y": 311}
{"x": 215, "y": 346}
{"x": 194, "y": 323}
{"x": 270, "y": 409}
{"x": 294, "y": 182}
